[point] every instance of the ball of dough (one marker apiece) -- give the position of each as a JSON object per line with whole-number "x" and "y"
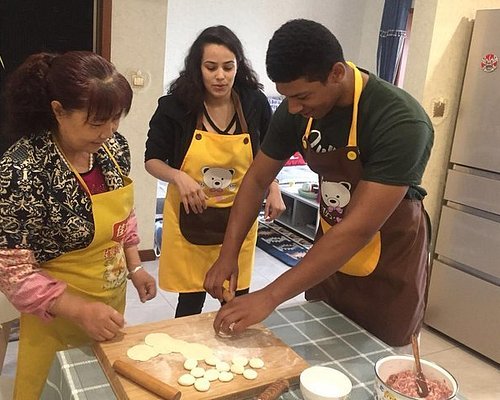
{"x": 225, "y": 376}
{"x": 250, "y": 374}
{"x": 256, "y": 363}
{"x": 240, "y": 360}
{"x": 222, "y": 366}
{"x": 211, "y": 374}
{"x": 237, "y": 369}
{"x": 198, "y": 372}
{"x": 190, "y": 363}
{"x": 202, "y": 384}
{"x": 186, "y": 380}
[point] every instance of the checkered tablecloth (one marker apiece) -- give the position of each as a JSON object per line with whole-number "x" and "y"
{"x": 318, "y": 333}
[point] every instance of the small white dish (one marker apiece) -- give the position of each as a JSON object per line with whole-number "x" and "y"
{"x": 324, "y": 383}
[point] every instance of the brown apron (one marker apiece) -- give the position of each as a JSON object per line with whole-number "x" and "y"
{"x": 383, "y": 286}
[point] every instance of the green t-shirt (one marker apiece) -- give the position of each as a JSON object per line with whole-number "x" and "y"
{"x": 395, "y": 135}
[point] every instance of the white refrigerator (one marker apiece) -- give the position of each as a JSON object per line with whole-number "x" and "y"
{"x": 464, "y": 294}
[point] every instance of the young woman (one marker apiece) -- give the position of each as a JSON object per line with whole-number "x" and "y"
{"x": 68, "y": 234}
{"x": 202, "y": 140}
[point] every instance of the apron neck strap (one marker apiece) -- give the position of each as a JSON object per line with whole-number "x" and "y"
{"x": 239, "y": 112}
{"x": 358, "y": 88}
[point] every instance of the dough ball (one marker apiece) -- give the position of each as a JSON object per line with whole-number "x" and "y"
{"x": 237, "y": 369}
{"x": 256, "y": 363}
{"x": 211, "y": 374}
{"x": 240, "y": 360}
{"x": 225, "y": 376}
{"x": 141, "y": 352}
{"x": 250, "y": 374}
{"x": 198, "y": 372}
{"x": 222, "y": 366}
{"x": 202, "y": 384}
{"x": 186, "y": 380}
{"x": 212, "y": 361}
{"x": 190, "y": 363}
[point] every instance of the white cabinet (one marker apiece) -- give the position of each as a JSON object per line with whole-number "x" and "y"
{"x": 301, "y": 215}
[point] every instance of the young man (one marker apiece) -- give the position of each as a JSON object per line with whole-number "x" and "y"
{"x": 369, "y": 142}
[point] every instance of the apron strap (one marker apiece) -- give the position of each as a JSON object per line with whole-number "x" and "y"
{"x": 239, "y": 111}
{"x": 358, "y": 88}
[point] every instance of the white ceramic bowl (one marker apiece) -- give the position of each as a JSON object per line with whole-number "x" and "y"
{"x": 393, "y": 364}
{"x": 324, "y": 383}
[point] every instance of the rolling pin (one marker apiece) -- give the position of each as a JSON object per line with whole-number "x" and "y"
{"x": 162, "y": 389}
{"x": 274, "y": 390}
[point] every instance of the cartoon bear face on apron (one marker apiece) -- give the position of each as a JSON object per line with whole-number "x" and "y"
{"x": 383, "y": 286}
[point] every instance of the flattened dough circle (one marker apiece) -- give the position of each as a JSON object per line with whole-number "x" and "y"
{"x": 202, "y": 385}
{"x": 186, "y": 380}
{"x": 141, "y": 352}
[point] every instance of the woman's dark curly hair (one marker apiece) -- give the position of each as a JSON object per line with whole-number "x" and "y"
{"x": 79, "y": 80}
{"x": 189, "y": 88}
{"x": 302, "y": 48}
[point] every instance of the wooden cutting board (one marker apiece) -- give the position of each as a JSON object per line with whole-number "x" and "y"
{"x": 280, "y": 361}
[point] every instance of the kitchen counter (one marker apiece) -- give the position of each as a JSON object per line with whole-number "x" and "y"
{"x": 314, "y": 330}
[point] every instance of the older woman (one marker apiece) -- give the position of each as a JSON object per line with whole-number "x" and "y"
{"x": 68, "y": 234}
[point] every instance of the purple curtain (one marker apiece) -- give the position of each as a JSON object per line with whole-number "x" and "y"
{"x": 392, "y": 37}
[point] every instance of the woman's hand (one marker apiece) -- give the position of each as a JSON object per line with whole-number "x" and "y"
{"x": 98, "y": 320}
{"x": 192, "y": 195}
{"x": 145, "y": 285}
{"x": 274, "y": 203}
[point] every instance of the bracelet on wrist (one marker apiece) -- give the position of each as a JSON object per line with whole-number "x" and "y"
{"x": 130, "y": 273}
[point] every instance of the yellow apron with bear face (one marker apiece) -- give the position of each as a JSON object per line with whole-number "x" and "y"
{"x": 191, "y": 242}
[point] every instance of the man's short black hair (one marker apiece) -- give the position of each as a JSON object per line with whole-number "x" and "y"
{"x": 302, "y": 48}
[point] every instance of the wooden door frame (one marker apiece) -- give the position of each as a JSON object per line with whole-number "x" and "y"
{"x": 103, "y": 28}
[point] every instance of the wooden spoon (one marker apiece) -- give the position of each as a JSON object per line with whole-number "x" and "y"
{"x": 422, "y": 388}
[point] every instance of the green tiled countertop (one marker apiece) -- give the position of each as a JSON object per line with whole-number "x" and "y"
{"x": 314, "y": 330}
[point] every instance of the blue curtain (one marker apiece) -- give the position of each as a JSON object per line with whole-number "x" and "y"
{"x": 392, "y": 37}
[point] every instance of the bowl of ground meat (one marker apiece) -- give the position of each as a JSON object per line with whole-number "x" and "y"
{"x": 395, "y": 380}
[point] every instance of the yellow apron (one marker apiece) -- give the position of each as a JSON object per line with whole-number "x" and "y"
{"x": 97, "y": 273}
{"x": 340, "y": 171}
{"x": 191, "y": 242}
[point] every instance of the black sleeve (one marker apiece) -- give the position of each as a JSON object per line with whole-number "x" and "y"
{"x": 160, "y": 143}
{"x": 265, "y": 117}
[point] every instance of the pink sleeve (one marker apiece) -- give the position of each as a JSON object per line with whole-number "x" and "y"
{"x": 25, "y": 285}
{"x": 132, "y": 233}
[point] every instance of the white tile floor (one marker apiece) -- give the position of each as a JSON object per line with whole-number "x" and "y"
{"x": 479, "y": 378}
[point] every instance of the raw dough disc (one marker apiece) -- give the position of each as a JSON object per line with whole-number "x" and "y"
{"x": 240, "y": 360}
{"x": 198, "y": 372}
{"x": 186, "y": 380}
{"x": 225, "y": 376}
{"x": 142, "y": 352}
{"x": 237, "y": 369}
{"x": 222, "y": 366}
{"x": 256, "y": 363}
{"x": 162, "y": 342}
{"x": 190, "y": 363}
{"x": 212, "y": 361}
{"x": 196, "y": 350}
{"x": 250, "y": 374}
{"x": 202, "y": 384}
{"x": 211, "y": 374}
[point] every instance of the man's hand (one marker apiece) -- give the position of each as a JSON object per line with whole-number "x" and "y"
{"x": 274, "y": 203}
{"x": 145, "y": 285}
{"x": 221, "y": 271}
{"x": 241, "y": 312}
